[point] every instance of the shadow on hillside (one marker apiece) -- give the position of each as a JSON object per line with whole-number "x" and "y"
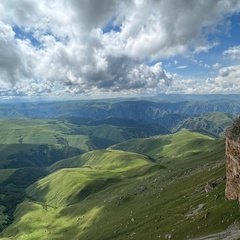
{"x": 13, "y": 189}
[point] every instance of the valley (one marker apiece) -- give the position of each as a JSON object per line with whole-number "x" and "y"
{"x": 116, "y": 170}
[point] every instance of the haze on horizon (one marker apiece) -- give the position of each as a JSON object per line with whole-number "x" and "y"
{"x": 108, "y": 48}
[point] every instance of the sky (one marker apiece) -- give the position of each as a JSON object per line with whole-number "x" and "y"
{"x": 107, "y": 48}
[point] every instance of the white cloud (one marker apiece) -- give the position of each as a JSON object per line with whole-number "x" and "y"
{"x": 75, "y": 56}
{"x": 216, "y": 66}
{"x": 14, "y": 62}
{"x": 181, "y": 67}
{"x": 205, "y": 48}
{"x": 228, "y": 78}
{"x": 233, "y": 53}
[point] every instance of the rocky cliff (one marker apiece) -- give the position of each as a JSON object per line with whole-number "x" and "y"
{"x": 232, "y": 157}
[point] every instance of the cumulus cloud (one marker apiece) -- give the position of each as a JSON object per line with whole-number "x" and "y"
{"x": 14, "y": 64}
{"x": 233, "y": 53}
{"x": 228, "y": 78}
{"x": 72, "y": 52}
{"x": 216, "y": 65}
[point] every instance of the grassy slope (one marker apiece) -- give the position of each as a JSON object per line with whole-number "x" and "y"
{"x": 39, "y": 131}
{"x": 26, "y": 135}
{"x": 102, "y": 159}
{"x": 34, "y": 155}
{"x": 145, "y": 202}
{"x": 100, "y": 169}
{"x": 49, "y": 131}
{"x": 26, "y": 142}
{"x": 215, "y": 123}
{"x": 181, "y": 144}
{"x": 5, "y": 174}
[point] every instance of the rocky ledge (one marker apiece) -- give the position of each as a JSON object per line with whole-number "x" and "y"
{"x": 232, "y": 158}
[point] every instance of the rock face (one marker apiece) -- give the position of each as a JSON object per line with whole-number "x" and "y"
{"x": 232, "y": 158}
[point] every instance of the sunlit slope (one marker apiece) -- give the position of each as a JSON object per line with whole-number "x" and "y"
{"x": 103, "y": 159}
{"x": 70, "y": 185}
{"x": 183, "y": 145}
{"x": 145, "y": 202}
{"x": 40, "y": 131}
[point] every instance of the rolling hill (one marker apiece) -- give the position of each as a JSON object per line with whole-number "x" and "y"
{"x": 69, "y": 133}
{"x": 28, "y": 146}
{"x": 116, "y": 169}
{"x": 182, "y": 146}
{"x": 102, "y": 159}
{"x": 112, "y": 194}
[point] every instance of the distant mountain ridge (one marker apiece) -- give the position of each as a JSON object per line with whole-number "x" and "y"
{"x": 167, "y": 113}
{"x": 147, "y": 110}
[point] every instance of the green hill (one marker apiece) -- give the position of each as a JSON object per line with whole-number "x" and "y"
{"x": 72, "y": 133}
{"x": 102, "y": 159}
{"x": 5, "y": 174}
{"x": 215, "y": 123}
{"x": 99, "y": 169}
{"x": 34, "y": 155}
{"x": 183, "y": 146}
{"x": 76, "y": 185}
{"x": 100, "y": 198}
{"x": 30, "y": 143}
{"x": 41, "y": 142}
{"x": 40, "y": 131}
{"x": 12, "y": 190}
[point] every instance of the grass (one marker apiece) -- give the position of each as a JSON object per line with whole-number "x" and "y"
{"x": 121, "y": 211}
{"x": 75, "y": 184}
{"x": 104, "y": 198}
{"x": 214, "y": 122}
{"x": 38, "y": 131}
{"x": 103, "y": 159}
{"x": 3, "y": 217}
{"x": 173, "y": 148}
{"x": 62, "y": 131}
{"x": 34, "y": 155}
{"x": 5, "y": 174}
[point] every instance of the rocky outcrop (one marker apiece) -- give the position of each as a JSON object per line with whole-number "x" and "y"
{"x": 232, "y": 158}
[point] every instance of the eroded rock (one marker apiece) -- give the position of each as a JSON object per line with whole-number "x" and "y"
{"x": 232, "y": 158}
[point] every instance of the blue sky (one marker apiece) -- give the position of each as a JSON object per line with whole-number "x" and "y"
{"x": 107, "y": 48}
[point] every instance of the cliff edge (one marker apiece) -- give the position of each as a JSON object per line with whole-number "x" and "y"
{"x": 232, "y": 158}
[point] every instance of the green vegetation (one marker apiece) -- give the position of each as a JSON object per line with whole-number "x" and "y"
{"x": 103, "y": 159}
{"x": 215, "y": 123}
{"x": 39, "y": 131}
{"x": 12, "y": 189}
{"x": 182, "y": 146}
{"x": 106, "y": 178}
{"x": 68, "y": 132}
{"x": 5, "y": 174}
{"x": 30, "y": 143}
{"x": 151, "y": 190}
{"x": 33, "y": 155}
